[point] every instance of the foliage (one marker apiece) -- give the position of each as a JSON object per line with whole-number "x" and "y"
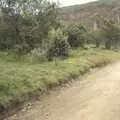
{"x": 76, "y": 35}
{"x": 97, "y": 38}
{"x": 38, "y": 54}
{"x": 20, "y": 77}
{"x": 32, "y": 29}
{"x": 59, "y": 47}
{"x": 24, "y": 25}
{"x": 111, "y": 32}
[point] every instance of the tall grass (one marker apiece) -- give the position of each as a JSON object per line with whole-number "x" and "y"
{"x": 20, "y": 77}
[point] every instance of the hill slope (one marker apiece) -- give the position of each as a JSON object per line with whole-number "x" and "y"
{"x": 91, "y": 13}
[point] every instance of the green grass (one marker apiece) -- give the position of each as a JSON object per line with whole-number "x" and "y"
{"x": 18, "y": 78}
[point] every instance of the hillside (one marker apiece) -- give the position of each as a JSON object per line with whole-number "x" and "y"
{"x": 91, "y": 13}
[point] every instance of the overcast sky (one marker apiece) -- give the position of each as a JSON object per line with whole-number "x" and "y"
{"x": 72, "y": 2}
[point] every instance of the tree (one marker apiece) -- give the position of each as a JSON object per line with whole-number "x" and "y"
{"x": 59, "y": 47}
{"x": 111, "y": 32}
{"x": 98, "y": 37}
{"x": 25, "y": 24}
{"x": 76, "y": 35}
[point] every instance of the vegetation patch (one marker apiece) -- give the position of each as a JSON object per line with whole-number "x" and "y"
{"x": 39, "y": 51}
{"x": 20, "y": 78}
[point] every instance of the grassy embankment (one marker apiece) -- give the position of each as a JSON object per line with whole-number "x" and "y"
{"x": 18, "y": 77}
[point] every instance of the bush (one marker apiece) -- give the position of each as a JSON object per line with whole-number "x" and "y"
{"x": 111, "y": 32}
{"x": 59, "y": 47}
{"x": 97, "y": 38}
{"x": 38, "y": 54}
{"x": 76, "y": 35}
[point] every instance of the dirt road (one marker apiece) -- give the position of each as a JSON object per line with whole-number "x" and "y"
{"x": 95, "y": 97}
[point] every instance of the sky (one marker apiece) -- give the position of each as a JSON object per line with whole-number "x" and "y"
{"x": 73, "y": 2}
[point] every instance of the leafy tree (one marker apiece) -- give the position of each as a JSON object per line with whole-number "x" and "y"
{"x": 76, "y": 35}
{"x": 111, "y": 32}
{"x": 25, "y": 24}
{"x": 97, "y": 37}
{"x": 59, "y": 47}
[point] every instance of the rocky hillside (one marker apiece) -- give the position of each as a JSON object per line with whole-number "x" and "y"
{"x": 92, "y": 13}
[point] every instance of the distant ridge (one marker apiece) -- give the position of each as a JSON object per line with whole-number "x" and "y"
{"x": 73, "y": 8}
{"x": 91, "y": 13}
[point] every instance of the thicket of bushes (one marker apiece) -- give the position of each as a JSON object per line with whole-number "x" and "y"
{"x": 76, "y": 35}
{"x": 33, "y": 27}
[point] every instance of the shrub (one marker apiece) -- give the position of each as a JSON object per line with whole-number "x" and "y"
{"x": 38, "y": 54}
{"x": 111, "y": 32}
{"x": 59, "y": 46}
{"x": 76, "y": 35}
{"x": 97, "y": 38}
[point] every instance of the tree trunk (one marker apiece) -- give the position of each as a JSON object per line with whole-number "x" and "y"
{"x": 108, "y": 44}
{"x": 97, "y": 44}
